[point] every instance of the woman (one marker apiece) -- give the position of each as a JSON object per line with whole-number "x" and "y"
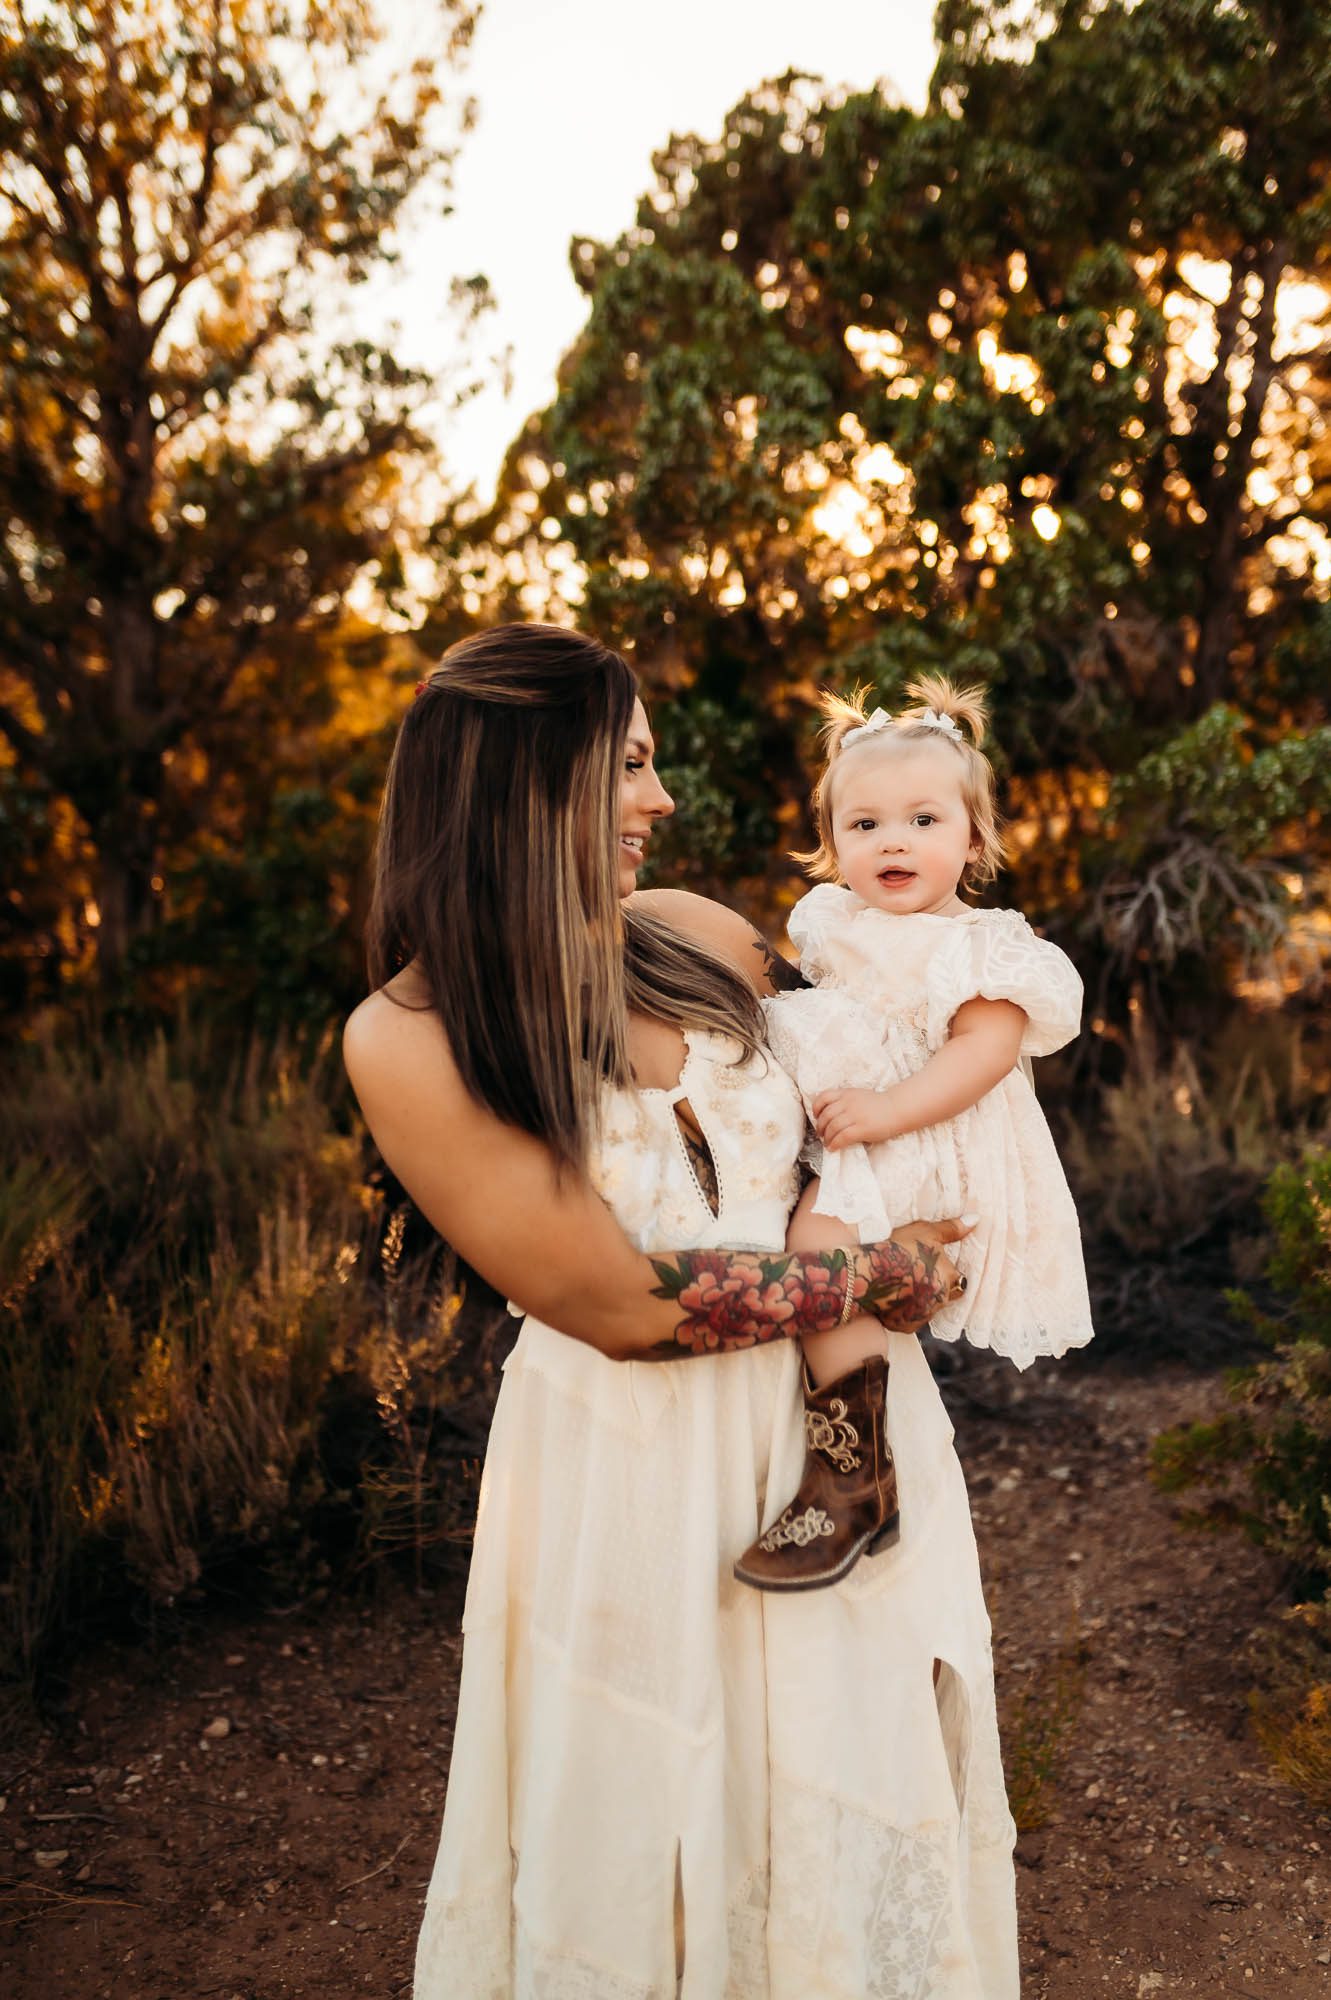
{"x": 661, "y": 1782}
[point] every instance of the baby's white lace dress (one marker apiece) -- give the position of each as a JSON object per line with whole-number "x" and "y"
{"x": 665, "y": 1785}
{"x": 885, "y": 994}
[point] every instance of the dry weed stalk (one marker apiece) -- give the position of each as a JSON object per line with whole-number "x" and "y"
{"x": 1037, "y": 1733}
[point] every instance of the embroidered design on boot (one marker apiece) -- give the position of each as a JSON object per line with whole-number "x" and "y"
{"x": 847, "y": 1499}
{"x": 801, "y": 1529}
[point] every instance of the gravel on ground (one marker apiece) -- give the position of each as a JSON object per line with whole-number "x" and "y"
{"x": 249, "y": 1810}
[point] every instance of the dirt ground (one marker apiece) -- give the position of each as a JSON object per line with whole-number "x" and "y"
{"x": 251, "y": 1811}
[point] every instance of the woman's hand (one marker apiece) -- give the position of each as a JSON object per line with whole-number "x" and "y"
{"x": 901, "y": 1281}
{"x": 550, "y": 1242}
{"x": 905, "y": 1279}
{"x": 935, "y": 1279}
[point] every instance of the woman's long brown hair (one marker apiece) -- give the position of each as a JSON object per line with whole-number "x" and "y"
{"x": 496, "y": 876}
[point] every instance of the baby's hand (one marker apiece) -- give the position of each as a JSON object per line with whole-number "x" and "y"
{"x": 853, "y": 1118}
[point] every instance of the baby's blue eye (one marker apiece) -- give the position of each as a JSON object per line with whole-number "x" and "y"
{"x": 924, "y": 819}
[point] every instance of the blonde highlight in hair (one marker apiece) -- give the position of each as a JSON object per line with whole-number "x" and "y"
{"x": 677, "y": 979}
{"x": 933, "y": 695}
{"x": 495, "y": 872}
{"x": 496, "y": 878}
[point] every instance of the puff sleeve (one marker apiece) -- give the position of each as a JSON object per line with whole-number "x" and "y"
{"x": 997, "y": 956}
{"x": 816, "y": 919}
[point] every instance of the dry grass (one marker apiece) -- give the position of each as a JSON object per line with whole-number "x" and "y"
{"x": 1181, "y": 1143}
{"x": 1038, "y": 1729}
{"x": 1291, "y": 1711}
{"x": 215, "y": 1343}
{"x": 1167, "y": 1167}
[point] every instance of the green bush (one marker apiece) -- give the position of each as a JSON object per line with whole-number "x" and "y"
{"x": 712, "y": 757}
{"x": 1264, "y": 1466}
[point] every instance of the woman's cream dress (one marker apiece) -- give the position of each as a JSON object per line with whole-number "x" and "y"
{"x": 663, "y": 1782}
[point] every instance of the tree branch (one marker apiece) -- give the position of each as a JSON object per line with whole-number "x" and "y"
{"x": 314, "y": 480}
{"x": 187, "y": 397}
{"x": 71, "y": 209}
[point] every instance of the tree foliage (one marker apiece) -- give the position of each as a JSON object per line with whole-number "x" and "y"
{"x": 1030, "y": 385}
{"x": 196, "y": 463}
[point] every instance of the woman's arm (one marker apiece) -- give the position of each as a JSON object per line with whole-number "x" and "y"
{"x": 982, "y": 1046}
{"x": 550, "y": 1243}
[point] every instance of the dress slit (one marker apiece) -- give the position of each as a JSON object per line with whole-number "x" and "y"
{"x": 952, "y": 1698}
{"x": 698, "y": 1154}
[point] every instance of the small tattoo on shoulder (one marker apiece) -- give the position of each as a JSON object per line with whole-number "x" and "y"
{"x": 780, "y": 974}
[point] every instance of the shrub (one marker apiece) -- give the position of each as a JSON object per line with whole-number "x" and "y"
{"x": 1168, "y": 1166}
{"x": 216, "y": 1343}
{"x": 1265, "y": 1466}
{"x": 1291, "y": 1711}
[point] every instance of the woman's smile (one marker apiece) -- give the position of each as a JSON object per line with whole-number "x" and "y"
{"x": 643, "y": 800}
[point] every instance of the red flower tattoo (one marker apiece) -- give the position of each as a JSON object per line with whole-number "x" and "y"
{"x": 732, "y": 1299}
{"x": 731, "y": 1302}
{"x": 904, "y": 1284}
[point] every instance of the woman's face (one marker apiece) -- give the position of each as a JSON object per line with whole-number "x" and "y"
{"x": 643, "y": 800}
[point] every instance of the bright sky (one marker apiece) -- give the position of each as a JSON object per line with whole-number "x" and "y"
{"x": 574, "y": 96}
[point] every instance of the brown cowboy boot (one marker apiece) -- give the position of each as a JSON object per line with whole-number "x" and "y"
{"x": 847, "y": 1500}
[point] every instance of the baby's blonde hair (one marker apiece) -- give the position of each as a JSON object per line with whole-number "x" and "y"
{"x": 933, "y": 694}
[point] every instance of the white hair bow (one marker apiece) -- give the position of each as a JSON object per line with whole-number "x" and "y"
{"x": 933, "y": 720}
{"x": 877, "y": 718}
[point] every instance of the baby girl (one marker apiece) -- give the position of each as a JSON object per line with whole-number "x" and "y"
{"x": 910, "y": 1050}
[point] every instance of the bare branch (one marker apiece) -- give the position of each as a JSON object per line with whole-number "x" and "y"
{"x": 1170, "y": 906}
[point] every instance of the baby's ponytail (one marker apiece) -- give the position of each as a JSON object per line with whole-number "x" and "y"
{"x": 935, "y": 694}
{"x": 841, "y": 714}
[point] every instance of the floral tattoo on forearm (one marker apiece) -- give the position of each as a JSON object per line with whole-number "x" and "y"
{"x": 731, "y": 1299}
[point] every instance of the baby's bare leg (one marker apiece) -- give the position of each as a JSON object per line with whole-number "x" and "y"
{"x": 830, "y": 1355}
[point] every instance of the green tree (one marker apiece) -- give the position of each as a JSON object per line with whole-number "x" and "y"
{"x": 195, "y": 465}
{"x": 1031, "y": 385}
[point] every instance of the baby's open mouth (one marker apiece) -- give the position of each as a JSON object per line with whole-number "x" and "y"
{"x": 894, "y": 877}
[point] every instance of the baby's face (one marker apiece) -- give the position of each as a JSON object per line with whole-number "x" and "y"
{"x": 900, "y": 827}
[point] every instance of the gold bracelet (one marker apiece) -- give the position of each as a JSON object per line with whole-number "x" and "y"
{"x": 848, "y": 1307}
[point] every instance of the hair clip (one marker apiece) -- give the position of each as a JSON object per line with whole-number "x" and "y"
{"x": 935, "y": 720}
{"x": 877, "y": 719}
{"x": 420, "y": 690}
